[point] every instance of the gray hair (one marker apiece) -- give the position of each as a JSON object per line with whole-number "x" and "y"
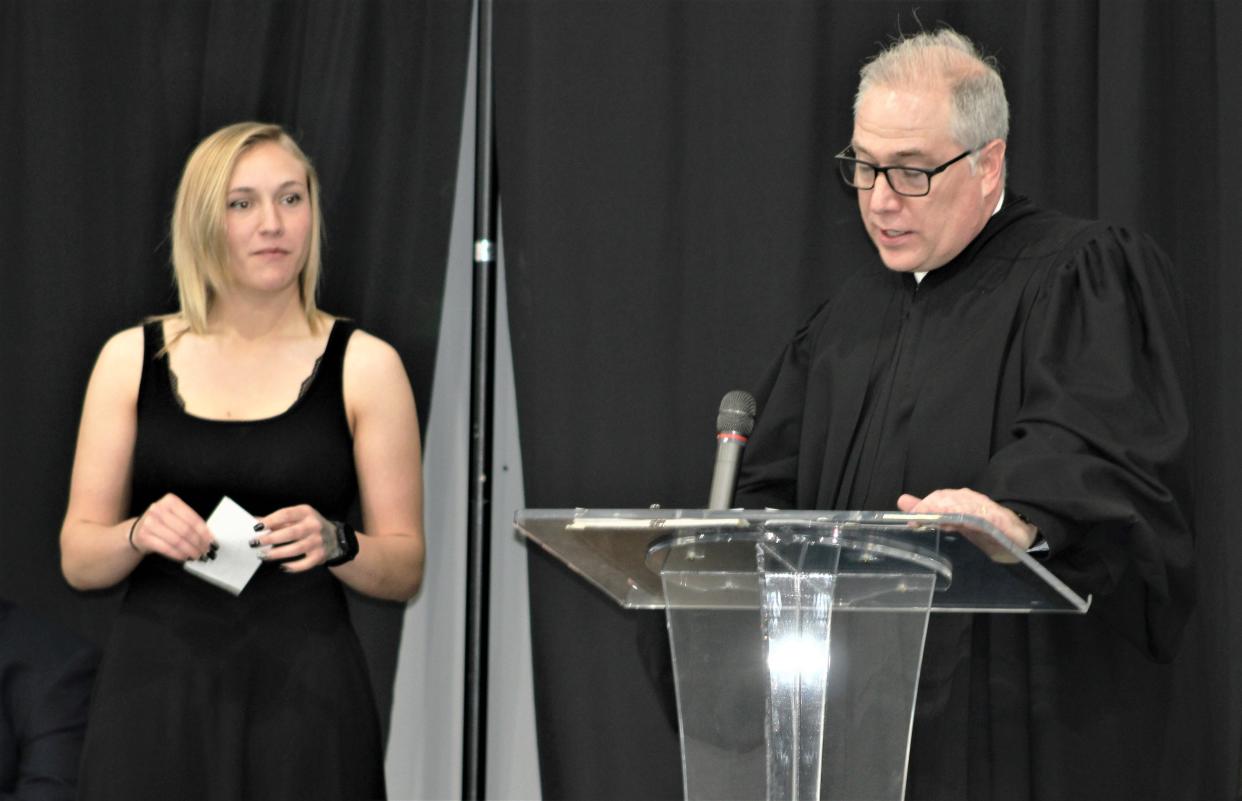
{"x": 980, "y": 112}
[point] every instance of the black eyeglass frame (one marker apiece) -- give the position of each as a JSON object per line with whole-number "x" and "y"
{"x": 843, "y": 160}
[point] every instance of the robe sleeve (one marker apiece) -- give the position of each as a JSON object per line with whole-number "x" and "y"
{"x": 1097, "y": 457}
{"x": 768, "y": 474}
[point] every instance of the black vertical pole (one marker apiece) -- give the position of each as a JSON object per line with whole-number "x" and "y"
{"x": 482, "y": 373}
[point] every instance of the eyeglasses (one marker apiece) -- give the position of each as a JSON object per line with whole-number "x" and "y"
{"x": 908, "y": 181}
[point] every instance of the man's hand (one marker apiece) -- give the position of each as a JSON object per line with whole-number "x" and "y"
{"x": 968, "y": 502}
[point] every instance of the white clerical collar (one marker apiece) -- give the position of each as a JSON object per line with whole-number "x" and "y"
{"x": 919, "y": 275}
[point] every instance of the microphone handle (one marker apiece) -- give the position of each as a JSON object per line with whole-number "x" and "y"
{"x": 724, "y": 476}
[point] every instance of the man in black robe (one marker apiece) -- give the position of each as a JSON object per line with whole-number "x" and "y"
{"x": 1020, "y": 366}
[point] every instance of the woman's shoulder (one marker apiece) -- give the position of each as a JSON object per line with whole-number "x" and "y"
{"x": 374, "y": 373}
{"x": 368, "y": 353}
{"x": 124, "y": 347}
{"x": 118, "y": 369}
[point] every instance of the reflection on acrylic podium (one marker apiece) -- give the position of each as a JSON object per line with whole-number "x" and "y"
{"x": 797, "y": 636}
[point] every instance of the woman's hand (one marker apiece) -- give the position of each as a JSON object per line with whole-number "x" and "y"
{"x": 170, "y": 528}
{"x": 298, "y": 533}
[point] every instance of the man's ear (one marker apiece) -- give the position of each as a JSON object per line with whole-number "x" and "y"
{"x": 992, "y": 166}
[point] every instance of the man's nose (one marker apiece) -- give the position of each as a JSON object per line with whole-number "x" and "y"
{"x": 883, "y": 198}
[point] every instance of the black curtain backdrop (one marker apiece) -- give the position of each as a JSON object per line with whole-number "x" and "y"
{"x": 672, "y": 213}
{"x": 100, "y": 104}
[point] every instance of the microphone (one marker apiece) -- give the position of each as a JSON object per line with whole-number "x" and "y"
{"x": 734, "y": 423}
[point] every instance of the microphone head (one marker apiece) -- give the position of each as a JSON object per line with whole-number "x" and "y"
{"x": 737, "y": 413}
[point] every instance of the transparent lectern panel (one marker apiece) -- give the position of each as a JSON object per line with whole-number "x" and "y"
{"x": 722, "y": 682}
{"x": 797, "y": 636}
{"x": 794, "y": 697}
{"x": 621, "y": 552}
{"x": 875, "y": 660}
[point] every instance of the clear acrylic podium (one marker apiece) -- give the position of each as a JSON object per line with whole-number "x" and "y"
{"x": 797, "y": 637}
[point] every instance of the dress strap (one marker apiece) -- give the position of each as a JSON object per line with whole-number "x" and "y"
{"x": 334, "y": 352}
{"x": 155, "y": 381}
{"x": 328, "y": 372}
{"x": 152, "y": 339}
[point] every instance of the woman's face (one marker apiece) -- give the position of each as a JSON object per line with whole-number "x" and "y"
{"x": 268, "y": 219}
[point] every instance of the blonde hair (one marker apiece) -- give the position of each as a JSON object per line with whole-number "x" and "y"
{"x": 200, "y": 258}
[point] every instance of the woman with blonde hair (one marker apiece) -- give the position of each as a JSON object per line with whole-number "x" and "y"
{"x": 249, "y": 392}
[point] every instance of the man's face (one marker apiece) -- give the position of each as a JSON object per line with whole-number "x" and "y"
{"x": 905, "y": 127}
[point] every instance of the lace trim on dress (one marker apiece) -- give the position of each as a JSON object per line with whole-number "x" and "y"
{"x": 302, "y": 390}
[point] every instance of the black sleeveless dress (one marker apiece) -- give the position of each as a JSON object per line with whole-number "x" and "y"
{"x": 203, "y": 695}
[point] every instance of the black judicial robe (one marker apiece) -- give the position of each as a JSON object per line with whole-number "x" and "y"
{"x": 1043, "y": 367}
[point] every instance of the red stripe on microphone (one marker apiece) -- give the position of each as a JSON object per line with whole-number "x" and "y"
{"x": 723, "y": 435}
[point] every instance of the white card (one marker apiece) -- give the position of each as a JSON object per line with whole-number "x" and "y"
{"x": 235, "y": 562}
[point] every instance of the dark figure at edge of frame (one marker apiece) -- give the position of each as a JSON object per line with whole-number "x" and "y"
{"x": 45, "y": 688}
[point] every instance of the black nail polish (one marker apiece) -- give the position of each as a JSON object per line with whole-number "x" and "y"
{"x": 258, "y": 526}
{"x": 254, "y": 543}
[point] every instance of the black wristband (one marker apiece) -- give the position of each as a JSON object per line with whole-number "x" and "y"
{"x": 346, "y": 544}
{"x": 134, "y": 528}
